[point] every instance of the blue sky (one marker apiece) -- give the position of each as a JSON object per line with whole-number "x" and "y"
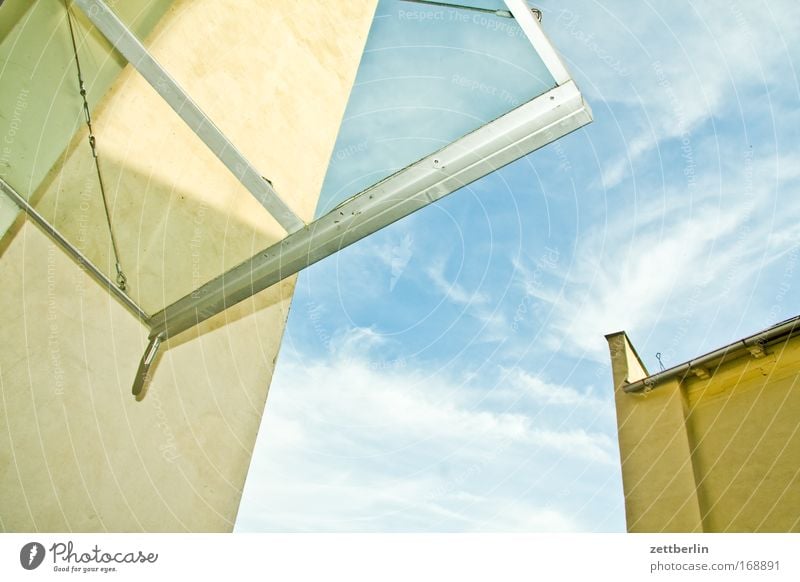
{"x": 450, "y": 372}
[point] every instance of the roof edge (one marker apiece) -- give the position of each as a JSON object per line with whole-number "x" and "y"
{"x": 780, "y": 330}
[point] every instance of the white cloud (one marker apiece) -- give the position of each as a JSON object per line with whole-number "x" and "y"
{"x": 355, "y": 343}
{"x": 534, "y": 277}
{"x": 623, "y": 276}
{"x": 675, "y": 65}
{"x": 394, "y": 254}
{"x": 399, "y": 256}
{"x": 638, "y": 271}
{"x": 453, "y": 291}
{"x": 494, "y": 325}
{"x": 555, "y": 394}
{"x": 353, "y": 443}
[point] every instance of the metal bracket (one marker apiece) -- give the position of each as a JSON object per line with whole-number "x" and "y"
{"x": 143, "y": 375}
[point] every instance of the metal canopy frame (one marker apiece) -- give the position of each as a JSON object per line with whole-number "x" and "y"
{"x": 527, "y": 128}
{"x": 530, "y": 126}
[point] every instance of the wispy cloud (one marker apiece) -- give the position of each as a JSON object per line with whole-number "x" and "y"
{"x": 676, "y": 65}
{"x": 494, "y": 324}
{"x": 367, "y": 445}
{"x": 452, "y": 290}
{"x": 636, "y": 272}
{"x": 550, "y": 394}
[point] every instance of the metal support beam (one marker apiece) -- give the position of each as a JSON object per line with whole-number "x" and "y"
{"x": 73, "y": 252}
{"x": 137, "y": 55}
{"x": 523, "y": 130}
{"x": 532, "y": 28}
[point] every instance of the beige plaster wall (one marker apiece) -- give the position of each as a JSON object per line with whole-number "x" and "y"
{"x": 77, "y": 452}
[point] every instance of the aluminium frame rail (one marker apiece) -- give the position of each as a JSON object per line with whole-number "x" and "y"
{"x": 527, "y": 128}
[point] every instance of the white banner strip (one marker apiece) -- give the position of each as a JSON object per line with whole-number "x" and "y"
{"x": 401, "y": 557}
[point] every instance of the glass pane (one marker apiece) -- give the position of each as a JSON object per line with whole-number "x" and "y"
{"x": 429, "y": 75}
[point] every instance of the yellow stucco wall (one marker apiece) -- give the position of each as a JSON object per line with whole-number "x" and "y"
{"x": 77, "y": 452}
{"x": 727, "y": 445}
{"x": 657, "y": 473}
{"x": 745, "y": 423}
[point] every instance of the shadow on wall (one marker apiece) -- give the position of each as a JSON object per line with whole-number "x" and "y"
{"x": 170, "y": 240}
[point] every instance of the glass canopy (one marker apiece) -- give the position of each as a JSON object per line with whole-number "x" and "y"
{"x": 200, "y": 228}
{"x": 429, "y": 75}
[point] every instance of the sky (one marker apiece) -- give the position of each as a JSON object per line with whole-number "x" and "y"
{"x": 450, "y": 372}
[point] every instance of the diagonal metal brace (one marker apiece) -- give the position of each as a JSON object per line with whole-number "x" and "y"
{"x": 121, "y": 37}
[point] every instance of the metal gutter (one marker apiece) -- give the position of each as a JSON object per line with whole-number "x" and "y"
{"x": 753, "y": 344}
